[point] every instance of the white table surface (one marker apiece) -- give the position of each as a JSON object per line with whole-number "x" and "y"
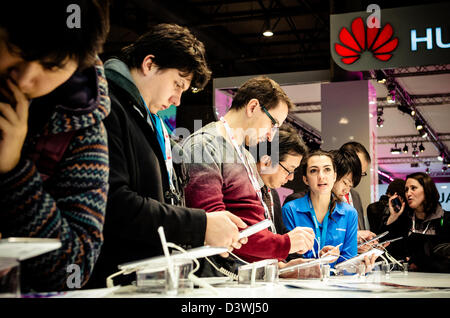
{"x": 335, "y": 287}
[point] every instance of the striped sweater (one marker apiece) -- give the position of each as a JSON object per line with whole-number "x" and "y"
{"x": 71, "y": 204}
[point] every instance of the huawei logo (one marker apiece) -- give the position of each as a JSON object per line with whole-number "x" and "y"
{"x": 379, "y": 41}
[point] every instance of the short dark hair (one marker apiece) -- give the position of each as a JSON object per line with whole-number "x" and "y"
{"x": 49, "y": 39}
{"x": 173, "y": 46}
{"x": 358, "y": 148}
{"x": 429, "y": 188}
{"x": 396, "y": 186}
{"x": 290, "y": 142}
{"x": 268, "y": 92}
{"x": 347, "y": 161}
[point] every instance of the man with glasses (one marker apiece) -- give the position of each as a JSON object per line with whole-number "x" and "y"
{"x": 223, "y": 174}
{"x": 275, "y": 173}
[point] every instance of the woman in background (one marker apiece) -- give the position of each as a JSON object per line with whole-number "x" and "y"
{"x": 423, "y": 224}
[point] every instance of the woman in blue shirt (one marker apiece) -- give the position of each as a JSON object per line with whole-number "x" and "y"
{"x": 333, "y": 221}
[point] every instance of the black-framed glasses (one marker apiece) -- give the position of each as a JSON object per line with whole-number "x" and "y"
{"x": 275, "y": 123}
{"x": 289, "y": 172}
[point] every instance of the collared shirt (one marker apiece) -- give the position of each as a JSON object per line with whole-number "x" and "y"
{"x": 342, "y": 227}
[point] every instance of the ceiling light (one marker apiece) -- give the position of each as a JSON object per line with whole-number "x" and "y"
{"x": 421, "y": 148}
{"x": 381, "y": 78}
{"x": 268, "y": 33}
{"x": 380, "y": 119}
{"x": 440, "y": 158}
{"x": 395, "y": 150}
{"x": 390, "y": 98}
{"x": 419, "y": 124}
{"x": 405, "y": 149}
{"x": 380, "y": 122}
{"x": 423, "y": 133}
{"x": 413, "y": 112}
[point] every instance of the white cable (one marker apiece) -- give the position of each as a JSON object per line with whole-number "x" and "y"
{"x": 246, "y": 263}
{"x": 223, "y": 270}
{"x": 196, "y": 280}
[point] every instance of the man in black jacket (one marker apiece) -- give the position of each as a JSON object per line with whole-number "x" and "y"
{"x": 144, "y": 193}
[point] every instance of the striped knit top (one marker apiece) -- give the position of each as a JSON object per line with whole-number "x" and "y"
{"x": 71, "y": 204}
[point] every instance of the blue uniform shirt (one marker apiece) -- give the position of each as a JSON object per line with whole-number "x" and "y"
{"x": 342, "y": 228}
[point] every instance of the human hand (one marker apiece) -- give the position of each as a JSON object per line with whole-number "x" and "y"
{"x": 302, "y": 240}
{"x": 300, "y": 273}
{"x": 222, "y": 230}
{"x": 363, "y": 236}
{"x": 13, "y": 127}
{"x": 330, "y": 250}
{"x": 369, "y": 262}
{"x": 393, "y": 215}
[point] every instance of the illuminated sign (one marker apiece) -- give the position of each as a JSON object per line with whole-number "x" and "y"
{"x": 389, "y": 38}
{"x": 379, "y": 41}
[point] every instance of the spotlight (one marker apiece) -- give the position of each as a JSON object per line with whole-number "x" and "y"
{"x": 380, "y": 119}
{"x": 381, "y": 78}
{"x": 405, "y": 149}
{"x": 390, "y": 98}
{"x": 421, "y": 148}
{"x": 440, "y": 157}
{"x": 415, "y": 152}
{"x": 396, "y": 150}
{"x": 419, "y": 124}
{"x": 423, "y": 133}
{"x": 413, "y": 112}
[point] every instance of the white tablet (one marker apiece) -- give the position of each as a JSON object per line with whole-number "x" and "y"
{"x": 197, "y": 252}
{"x": 22, "y": 248}
{"x": 359, "y": 258}
{"x": 313, "y": 261}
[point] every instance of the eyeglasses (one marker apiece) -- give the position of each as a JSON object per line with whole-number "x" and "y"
{"x": 289, "y": 172}
{"x": 275, "y": 123}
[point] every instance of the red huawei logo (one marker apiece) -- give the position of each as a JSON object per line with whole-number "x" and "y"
{"x": 380, "y": 43}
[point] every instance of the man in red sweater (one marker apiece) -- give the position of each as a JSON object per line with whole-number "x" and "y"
{"x": 223, "y": 174}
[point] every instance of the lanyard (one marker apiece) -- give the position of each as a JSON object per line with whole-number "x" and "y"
{"x": 250, "y": 172}
{"x": 321, "y": 235}
{"x": 413, "y": 230}
{"x": 168, "y": 149}
{"x": 350, "y": 200}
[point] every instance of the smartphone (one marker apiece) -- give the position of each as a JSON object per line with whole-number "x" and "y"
{"x": 396, "y": 204}
{"x": 374, "y": 239}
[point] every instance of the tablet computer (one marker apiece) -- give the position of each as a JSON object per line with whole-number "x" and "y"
{"x": 312, "y": 262}
{"x": 22, "y": 248}
{"x": 359, "y": 258}
{"x": 197, "y": 252}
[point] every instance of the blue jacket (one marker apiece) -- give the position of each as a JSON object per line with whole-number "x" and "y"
{"x": 342, "y": 228}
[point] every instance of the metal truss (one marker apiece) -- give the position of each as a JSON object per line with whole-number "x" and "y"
{"x": 420, "y": 70}
{"x": 400, "y": 160}
{"x": 409, "y": 139}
